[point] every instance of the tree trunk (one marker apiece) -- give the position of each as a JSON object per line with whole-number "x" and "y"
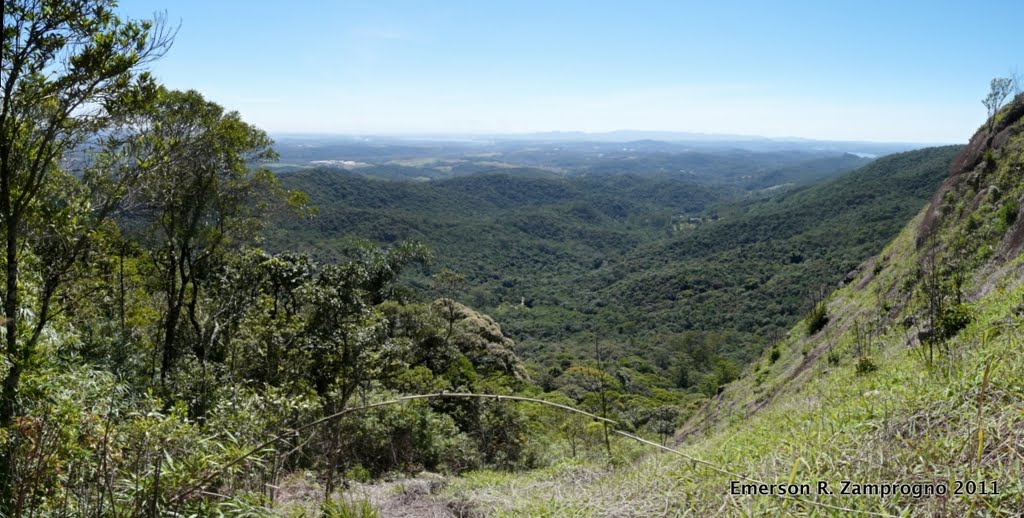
{"x": 8, "y": 397}
{"x": 10, "y": 386}
{"x": 171, "y": 326}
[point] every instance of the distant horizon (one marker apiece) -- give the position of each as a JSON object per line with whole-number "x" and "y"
{"x": 680, "y": 136}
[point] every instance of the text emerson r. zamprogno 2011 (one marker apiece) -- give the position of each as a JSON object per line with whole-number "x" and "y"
{"x": 847, "y": 487}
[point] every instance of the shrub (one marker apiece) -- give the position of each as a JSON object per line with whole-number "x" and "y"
{"x": 358, "y": 473}
{"x": 954, "y": 319}
{"x": 408, "y": 437}
{"x": 866, "y": 365}
{"x": 344, "y": 508}
{"x": 759, "y": 379}
{"x": 989, "y": 157}
{"x": 1008, "y": 213}
{"x": 817, "y": 318}
{"x": 833, "y": 358}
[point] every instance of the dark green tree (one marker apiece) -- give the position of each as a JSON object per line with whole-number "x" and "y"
{"x": 447, "y": 285}
{"x": 70, "y": 69}
{"x": 198, "y": 199}
{"x": 663, "y": 421}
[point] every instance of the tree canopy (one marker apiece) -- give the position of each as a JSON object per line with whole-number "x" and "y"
{"x": 70, "y": 70}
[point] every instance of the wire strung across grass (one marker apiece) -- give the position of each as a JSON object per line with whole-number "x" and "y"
{"x": 278, "y": 438}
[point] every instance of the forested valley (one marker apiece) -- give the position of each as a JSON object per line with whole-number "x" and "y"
{"x": 683, "y": 279}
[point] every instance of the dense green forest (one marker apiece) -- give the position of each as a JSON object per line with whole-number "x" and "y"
{"x": 185, "y": 332}
{"x": 157, "y": 362}
{"x": 659, "y": 264}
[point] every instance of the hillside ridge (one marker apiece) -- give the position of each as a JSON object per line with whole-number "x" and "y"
{"x": 970, "y": 164}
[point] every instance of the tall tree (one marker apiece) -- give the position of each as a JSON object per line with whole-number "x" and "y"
{"x": 68, "y": 70}
{"x": 999, "y": 89}
{"x": 199, "y": 198}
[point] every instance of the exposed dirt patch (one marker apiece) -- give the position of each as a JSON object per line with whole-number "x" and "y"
{"x": 871, "y": 266}
{"x": 413, "y": 497}
{"x": 700, "y": 421}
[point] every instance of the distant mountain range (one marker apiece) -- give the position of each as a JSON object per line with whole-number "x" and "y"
{"x": 677, "y": 140}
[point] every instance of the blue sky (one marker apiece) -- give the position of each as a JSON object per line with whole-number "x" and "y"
{"x": 883, "y": 71}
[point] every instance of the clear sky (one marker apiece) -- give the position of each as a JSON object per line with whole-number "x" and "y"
{"x": 893, "y": 70}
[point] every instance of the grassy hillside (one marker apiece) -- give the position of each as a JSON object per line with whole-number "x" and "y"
{"x": 914, "y": 380}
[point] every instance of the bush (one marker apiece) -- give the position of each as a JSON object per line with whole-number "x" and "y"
{"x": 1008, "y": 213}
{"x": 344, "y": 508}
{"x": 817, "y": 318}
{"x": 817, "y": 321}
{"x": 408, "y": 437}
{"x": 833, "y": 358}
{"x": 954, "y": 319}
{"x": 82, "y": 432}
{"x": 989, "y": 157}
{"x": 358, "y": 473}
{"x": 866, "y": 365}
